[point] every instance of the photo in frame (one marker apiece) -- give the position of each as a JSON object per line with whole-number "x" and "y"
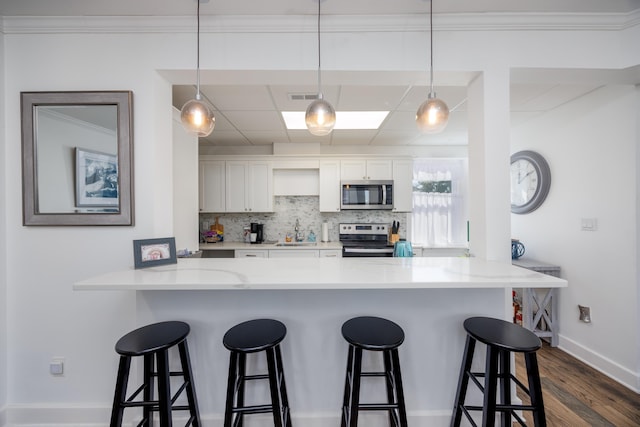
{"x": 154, "y": 252}
{"x": 96, "y": 179}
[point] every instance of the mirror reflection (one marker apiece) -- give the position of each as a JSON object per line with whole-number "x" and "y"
{"x": 77, "y": 148}
{"x": 77, "y": 164}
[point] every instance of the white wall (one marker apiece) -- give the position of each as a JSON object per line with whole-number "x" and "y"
{"x": 3, "y": 246}
{"x": 47, "y": 319}
{"x": 592, "y": 149}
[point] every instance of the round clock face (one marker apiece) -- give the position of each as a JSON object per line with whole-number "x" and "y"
{"x": 530, "y": 181}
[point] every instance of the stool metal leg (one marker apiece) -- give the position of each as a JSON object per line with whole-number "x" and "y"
{"x": 346, "y": 397}
{"x": 283, "y": 388}
{"x": 120, "y": 394}
{"x": 356, "y": 373}
{"x": 463, "y": 380}
{"x": 397, "y": 376}
{"x": 390, "y": 381}
{"x": 535, "y": 389}
{"x": 505, "y": 386}
{"x": 147, "y": 382}
{"x": 232, "y": 380}
{"x": 490, "y": 388}
{"x": 276, "y": 406}
{"x": 164, "y": 388}
{"x": 185, "y": 361}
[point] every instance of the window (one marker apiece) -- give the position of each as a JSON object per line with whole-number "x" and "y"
{"x": 439, "y": 215}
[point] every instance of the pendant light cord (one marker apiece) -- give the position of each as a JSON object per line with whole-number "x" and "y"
{"x": 431, "y": 40}
{"x": 319, "y": 78}
{"x": 198, "y": 54}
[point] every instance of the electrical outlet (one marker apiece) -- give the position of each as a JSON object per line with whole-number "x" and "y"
{"x": 589, "y": 224}
{"x": 585, "y": 313}
{"x": 56, "y": 367}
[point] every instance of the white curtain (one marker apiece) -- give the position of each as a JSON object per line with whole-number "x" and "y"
{"x": 439, "y": 219}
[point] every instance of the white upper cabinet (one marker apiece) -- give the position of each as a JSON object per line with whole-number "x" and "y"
{"x": 366, "y": 169}
{"x": 329, "y": 186}
{"x": 249, "y": 186}
{"x": 402, "y": 185}
{"x": 212, "y": 186}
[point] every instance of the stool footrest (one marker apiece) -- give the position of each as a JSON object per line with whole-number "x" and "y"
{"x": 377, "y": 406}
{"x": 254, "y": 409}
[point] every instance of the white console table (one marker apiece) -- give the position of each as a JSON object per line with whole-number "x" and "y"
{"x": 540, "y": 306}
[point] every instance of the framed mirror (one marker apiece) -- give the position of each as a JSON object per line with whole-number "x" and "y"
{"x": 77, "y": 158}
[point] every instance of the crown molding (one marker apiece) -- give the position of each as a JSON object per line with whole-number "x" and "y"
{"x": 307, "y": 23}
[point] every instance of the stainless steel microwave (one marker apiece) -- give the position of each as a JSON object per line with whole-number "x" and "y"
{"x": 366, "y": 195}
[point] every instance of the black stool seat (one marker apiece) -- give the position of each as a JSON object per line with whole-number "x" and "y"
{"x": 253, "y": 336}
{"x": 501, "y": 339}
{"x": 501, "y": 334}
{"x": 372, "y": 333}
{"x": 153, "y": 343}
{"x": 152, "y": 338}
{"x": 369, "y": 333}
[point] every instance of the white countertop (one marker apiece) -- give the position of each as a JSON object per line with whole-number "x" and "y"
{"x": 323, "y": 273}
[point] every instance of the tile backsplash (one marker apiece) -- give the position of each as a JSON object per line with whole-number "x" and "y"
{"x": 304, "y": 208}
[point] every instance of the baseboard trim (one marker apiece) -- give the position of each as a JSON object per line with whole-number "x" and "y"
{"x": 58, "y": 416}
{"x": 606, "y": 366}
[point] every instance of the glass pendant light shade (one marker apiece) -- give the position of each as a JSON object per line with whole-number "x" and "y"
{"x": 320, "y": 117}
{"x": 197, "y": 117}
{"x": 432, "y": 115}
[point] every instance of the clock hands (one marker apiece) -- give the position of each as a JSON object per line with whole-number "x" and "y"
{"x": 522, "y": 179}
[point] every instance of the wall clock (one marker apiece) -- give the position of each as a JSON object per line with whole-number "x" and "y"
{"x": 530, "y": 181}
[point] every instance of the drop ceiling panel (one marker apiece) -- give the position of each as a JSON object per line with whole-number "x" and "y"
{"x": 238, "y": 97}
{"x": 266, "y": 137}
{"x": 371, "y": 98}
{"x": 352, "y": 137}
{"x": 256, "y": 120}
{"x": 223, "y": 137}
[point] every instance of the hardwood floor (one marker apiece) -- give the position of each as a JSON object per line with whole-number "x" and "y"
{"x": 577, "y": 395}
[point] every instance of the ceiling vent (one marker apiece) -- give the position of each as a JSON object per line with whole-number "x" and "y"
{"x": 303, "y": 96}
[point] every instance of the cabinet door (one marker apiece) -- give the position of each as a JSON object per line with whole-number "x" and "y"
{"x": 236, "y": 197}
{"x": 353, "y": 169}
{"x": 260, "y": 186}
{"x": 330, "y": 253}
{"x": 402, "y": 185}
{"x": 365, "y": 169}
{"x": 379, "y": 169}
{"x": 248, "y": 253}
{"x": 293, "y": 253}
{"x": 212, "y": 186}
{"x": 329, "y": 199}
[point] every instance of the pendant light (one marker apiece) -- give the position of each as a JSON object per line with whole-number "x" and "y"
{"x": 320, "y": 116}
{"x": 196, "y": 116}
{"x": 433, "y": 114}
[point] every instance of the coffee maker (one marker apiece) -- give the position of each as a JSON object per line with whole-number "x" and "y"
{"x": 259, "y": 230}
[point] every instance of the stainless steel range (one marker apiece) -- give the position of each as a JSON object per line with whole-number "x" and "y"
{"x": 365, "y": 240}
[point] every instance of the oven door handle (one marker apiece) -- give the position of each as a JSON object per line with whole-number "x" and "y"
{"x": 368, "y": 250}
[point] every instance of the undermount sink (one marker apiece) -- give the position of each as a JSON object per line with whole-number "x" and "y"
{"x": 296, "y": 244}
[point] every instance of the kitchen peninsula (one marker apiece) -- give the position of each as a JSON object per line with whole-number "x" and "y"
{"x": 428, "y": 297}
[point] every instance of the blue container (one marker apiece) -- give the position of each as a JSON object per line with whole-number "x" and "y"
{"x": 402, "y": 248}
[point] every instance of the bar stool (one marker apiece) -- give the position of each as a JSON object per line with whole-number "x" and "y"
{"x": 501, "y": 338}
{"x": 251, "y": 337}
{"x": 373, "y": 334}
{"x": 153, "y": 343}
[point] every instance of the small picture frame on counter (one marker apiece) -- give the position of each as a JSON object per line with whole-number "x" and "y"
{"x": 154, "y": 252}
